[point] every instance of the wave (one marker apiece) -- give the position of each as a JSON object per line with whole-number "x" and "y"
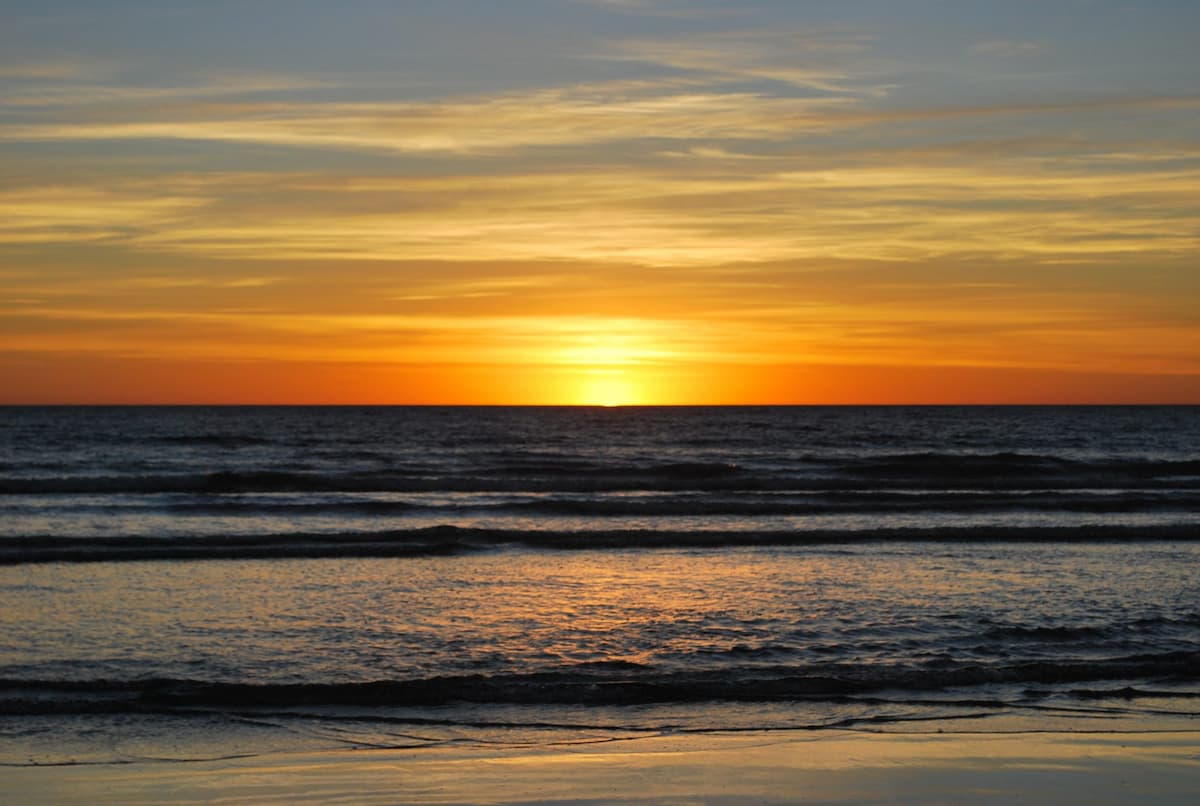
{"x": 218, "y": 482}
{"x": 906, "y": 472}
{"x": 1004, "y": 467}
{"x": 496, "y": 479}
{"x": 214, "y": 440}
{"x": 625, "y": 684}
{"x": 566, "y": 467}
{"x": 680, "y": 504}
{"x": 867, "y": 502}
{"x": 1007, "y": 634}
{"x": 1047, "y": 634}
{"x": 862, "y": 502}
{"x": 451, "y": 540}
{"x": 239, "y": 506}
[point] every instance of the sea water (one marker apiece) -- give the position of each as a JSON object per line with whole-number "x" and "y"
{"x": 208, "y": 581}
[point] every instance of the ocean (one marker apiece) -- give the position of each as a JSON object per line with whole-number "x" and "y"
{"x": 184, "y": 583}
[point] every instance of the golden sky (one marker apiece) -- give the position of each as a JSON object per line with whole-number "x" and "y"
{"x": 599, "y": 201}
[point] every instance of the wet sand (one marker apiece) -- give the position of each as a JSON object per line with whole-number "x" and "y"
{"x": 827, "y": 767}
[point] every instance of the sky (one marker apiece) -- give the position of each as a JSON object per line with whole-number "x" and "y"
{"x": 599, "y": 201}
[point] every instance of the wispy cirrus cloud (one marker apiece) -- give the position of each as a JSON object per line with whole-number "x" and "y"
{"x": 75, "y": 213}
{"x": 697, "y": 209}
{"x": 808, "y": 59}
{"x": 493, "y": 124}
{"x": 687, "y": 109}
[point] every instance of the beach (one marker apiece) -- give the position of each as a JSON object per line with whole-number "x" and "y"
{"x": 838, "y": 767}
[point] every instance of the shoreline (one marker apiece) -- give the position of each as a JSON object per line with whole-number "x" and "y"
{"x": 830, "y": 767}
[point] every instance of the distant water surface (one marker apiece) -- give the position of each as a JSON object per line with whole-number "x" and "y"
{"x": 282, "y": 577}
{"x": 191, "y": 474}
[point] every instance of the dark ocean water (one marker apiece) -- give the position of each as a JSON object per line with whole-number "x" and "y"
{"x": 258, "y": 579}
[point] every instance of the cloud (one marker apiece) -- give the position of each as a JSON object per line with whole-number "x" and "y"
{"x": 133, "y": 100}
{"x": 486, "y": 125}
{"x": 167, "y": 282}
{"x": 879, "y": 206}
{"x": 701, "y": 110}
{"x": 723, "y": 93}
{"x": 65, "y": 213}
{"x": 807, "y": 59}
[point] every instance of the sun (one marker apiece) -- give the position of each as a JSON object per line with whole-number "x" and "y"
{"x": 608, "y": 363}
{"x": 609, "y": 388}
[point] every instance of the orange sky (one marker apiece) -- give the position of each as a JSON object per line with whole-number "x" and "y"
{"x": 599, "y": 202}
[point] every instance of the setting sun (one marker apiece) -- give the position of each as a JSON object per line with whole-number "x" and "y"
{"x": 608, "y": 387}
{"x": 611, "y": 362}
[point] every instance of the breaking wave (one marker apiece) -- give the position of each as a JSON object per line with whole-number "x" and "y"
{"x": 591, "y": 684}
